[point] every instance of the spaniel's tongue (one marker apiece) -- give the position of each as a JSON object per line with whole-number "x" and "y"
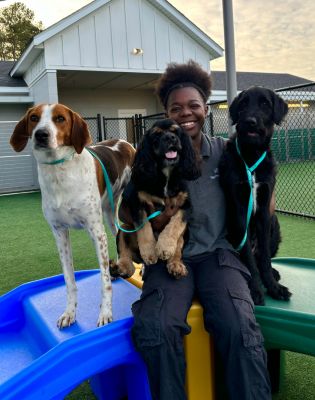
{"x": 171, "y": 154}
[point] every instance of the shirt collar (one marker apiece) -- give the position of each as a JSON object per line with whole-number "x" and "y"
{"x": 205, "y": 146}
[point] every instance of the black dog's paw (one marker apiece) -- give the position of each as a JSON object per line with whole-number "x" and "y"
{"x": 276, "y": 274}
{"x": 257, "y": 295}
{"x": 279, "y": 292}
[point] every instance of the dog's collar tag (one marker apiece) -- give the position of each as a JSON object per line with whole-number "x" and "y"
{"x": 249, "y": 172}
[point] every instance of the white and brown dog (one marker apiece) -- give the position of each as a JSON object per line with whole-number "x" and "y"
{"x": 73, "y": 188}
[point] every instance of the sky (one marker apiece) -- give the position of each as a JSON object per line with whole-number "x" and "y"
{"x": 270, "y": 35}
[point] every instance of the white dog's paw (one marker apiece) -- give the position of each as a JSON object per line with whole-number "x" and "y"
{"x": 66, "y": 319}
{"x": 104, "y": 318}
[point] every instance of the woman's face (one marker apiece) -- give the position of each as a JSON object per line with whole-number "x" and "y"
{"x": 187, "y": 107}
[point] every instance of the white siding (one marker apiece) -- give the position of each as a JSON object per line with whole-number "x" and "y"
{"x": 44, "y": 89}
{"x": 148, "y": 37}
{"x": 87, "y": 42}
{"x": 134, "y": 37}
{"x": 17, "y": 170}
{"x": 9, "y": 112}
{"x": 88, "y": 103}
{"x": 35, "y": 69}
{"x": 104, "y": 39}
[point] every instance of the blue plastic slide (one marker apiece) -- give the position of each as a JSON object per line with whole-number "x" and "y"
{"x": 39, "y": 361}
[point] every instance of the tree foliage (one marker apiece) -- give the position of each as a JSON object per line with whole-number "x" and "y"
{"x": 17, "y": 28}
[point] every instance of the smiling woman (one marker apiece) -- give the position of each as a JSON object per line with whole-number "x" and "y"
{"x": 214, "y": 271}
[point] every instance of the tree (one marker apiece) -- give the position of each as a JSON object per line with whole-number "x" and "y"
{"x": 17, "y": 28}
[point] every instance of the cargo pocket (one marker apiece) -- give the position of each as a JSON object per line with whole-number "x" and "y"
{"x": 146, "y": 330}
{"x": 228, "y": 259}
{"x": 250, "y": 330}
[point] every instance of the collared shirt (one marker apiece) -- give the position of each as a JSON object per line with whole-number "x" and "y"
{"x": 206, "y": 217}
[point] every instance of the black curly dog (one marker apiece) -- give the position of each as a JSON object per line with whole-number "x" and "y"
{"x": 254, "y": 111}
{"x": 164, "y": 159}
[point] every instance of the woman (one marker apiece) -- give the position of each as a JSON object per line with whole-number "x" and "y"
{"x": 215, "y": 274}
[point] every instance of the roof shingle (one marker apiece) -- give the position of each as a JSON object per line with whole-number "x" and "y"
{"x": 247, "y": 79}
{"x": 6, "y": 79}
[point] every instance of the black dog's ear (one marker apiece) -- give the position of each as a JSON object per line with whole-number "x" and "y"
{"x": 188, "y": 164}
{"x": 144, "y": 165}
{"x": 233, "y": 109}
{"x": 280, "y": 108}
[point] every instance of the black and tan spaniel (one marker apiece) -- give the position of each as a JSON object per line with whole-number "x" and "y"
{"x": 164, "y": 160}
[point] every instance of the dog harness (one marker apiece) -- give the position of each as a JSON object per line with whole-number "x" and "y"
{"x": 111, "y": 199}
{"x": 249, "y": 172}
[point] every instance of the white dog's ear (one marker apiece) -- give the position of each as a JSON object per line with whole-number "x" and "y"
{"x": 80, "y": 135}
{"x": 20, "y": 134}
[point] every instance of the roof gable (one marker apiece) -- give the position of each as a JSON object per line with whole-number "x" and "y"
{"x": 165, "y": 8}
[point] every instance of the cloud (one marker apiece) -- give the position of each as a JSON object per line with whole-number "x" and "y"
{"x": 270, "y": 36}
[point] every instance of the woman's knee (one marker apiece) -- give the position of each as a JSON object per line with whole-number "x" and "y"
{"x": 156, "y": 321}
{"x": 235, "y": 325}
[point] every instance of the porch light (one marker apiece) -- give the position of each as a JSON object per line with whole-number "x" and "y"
{"x": 298, "y": 105}
{"x": 137, "y": 51}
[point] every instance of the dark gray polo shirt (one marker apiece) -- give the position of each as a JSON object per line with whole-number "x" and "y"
{"x": 206, "y": 218}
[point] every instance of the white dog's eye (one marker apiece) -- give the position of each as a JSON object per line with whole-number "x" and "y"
{"x": 60, "y": 118}
{"x": 34, "y": 118}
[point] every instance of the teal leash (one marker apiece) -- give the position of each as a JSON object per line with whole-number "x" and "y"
{"x": 111, "y": 198}
{"x": 249, "y": 172}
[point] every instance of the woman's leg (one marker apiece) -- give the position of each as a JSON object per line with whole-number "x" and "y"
{"x": 159, "y": 326}
{"x": 221, "y": 285}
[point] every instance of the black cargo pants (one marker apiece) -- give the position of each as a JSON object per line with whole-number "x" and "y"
{"x": 219, "y": 280}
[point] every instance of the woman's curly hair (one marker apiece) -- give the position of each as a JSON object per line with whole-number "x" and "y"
{"x": 177, "y": 76}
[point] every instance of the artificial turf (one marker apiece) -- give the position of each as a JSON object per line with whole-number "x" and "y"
{"x": 28, "y": 252}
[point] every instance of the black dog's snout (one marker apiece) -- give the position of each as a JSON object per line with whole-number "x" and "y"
{"x": 42, "y": 135}
{"x": 251, "y": 122}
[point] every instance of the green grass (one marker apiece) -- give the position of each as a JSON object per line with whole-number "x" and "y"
{"x": 28, "y": 252}
{"x": 27, "y": 246}
{"x": 295, "y": 189}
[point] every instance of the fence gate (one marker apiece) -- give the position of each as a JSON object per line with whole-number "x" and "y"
{"x": 18, "y": 171}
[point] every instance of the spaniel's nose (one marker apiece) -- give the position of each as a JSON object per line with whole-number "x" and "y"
{"x": 171, "y": 138}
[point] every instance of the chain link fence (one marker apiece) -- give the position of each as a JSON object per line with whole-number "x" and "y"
{"x": 293, "y": 146}
{"x": 94, "y": 125}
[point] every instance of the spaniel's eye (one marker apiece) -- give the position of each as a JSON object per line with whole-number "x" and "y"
{"x": 60, "y": 118}
{"x": 34, "y": 118}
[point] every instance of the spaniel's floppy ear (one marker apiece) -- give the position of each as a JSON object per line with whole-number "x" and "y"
{"x": 233, "y": 109}
{"x": 188, "y": 164}
{"x": 280, "y": 108}
{"x": 80, "y": 135}
{"x": 144, "y": 165}
{"x": 20, "y": 134}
